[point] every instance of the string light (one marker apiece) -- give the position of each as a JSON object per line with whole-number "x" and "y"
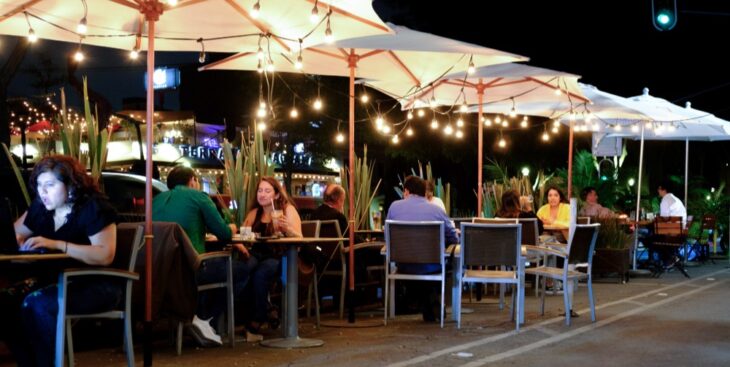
{"x": 364, "y": 98}
{"x": 32, "y": 37}
{"x": 672, "y": 128}
{"x": 448, "y": 130}
{"x": 617, "y": 127}
{"x": 317, "y": 104}
{"x": 421, "y": 113}
{"x": 409, "y": 132}
{"x": 314, "y": 16}
{"x": 488, "y": 122}
{"x": 262, "y": 110}
{"x": 261, "y": 126}
{"x": 328, "y": 36}
{"x": 513, "y": 111}
{"x": 459, "y": 123}
{"x": 434, "y": 124}
{"x": 558, "y": 91}
{"x": 340, "y": 138}
{"x": 523, "y": 124}
{"x": 81, "y": 28}
{"x": 545, "y": 135}
{"x": 134, "y": 54}
{"x": 256, "y": 10}
{"x": 201, "y": 56}
{"x": 294, "y": 113}
{"x": 498, "y": 120}
{"x": 386, "y": 129}
{"x": 648, "y": 125}
{"x": 464, "y": 108}
{"x": 635, "y": 128}
{"x": 270, "y": 66}
{"x": 459, "y": 134}
{"x": 409, "y": 115}
{"x": 379, "y": 123}
{"x": 395, "y": 139}
{"x": 471, "y": 68}
{"x": 79, "y": 56}
{"x": 556, "y": 129}
{"x": 502, "y": 143}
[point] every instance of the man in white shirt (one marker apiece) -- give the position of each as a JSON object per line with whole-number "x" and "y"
{"x": 671, "y": 206}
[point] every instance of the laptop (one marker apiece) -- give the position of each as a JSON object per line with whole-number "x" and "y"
{"x": 8, "y": 244}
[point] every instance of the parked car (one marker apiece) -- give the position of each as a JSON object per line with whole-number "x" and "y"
{"x": 126, "y": 193}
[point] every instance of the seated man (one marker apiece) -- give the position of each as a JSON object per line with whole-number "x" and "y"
{"x": 331, "y": 208}
{"x": 195, "y": 212}
{"x": 592, "y": 208}
{"x": 670, "y": 205}
{"x": 415, "y": 207}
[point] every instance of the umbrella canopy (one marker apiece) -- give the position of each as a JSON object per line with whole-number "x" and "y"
{"x": 224, "y": 25}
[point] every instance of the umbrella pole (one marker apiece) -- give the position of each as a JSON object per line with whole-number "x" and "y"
{"x": 351, "y": 183}
{"x": 570, "y": 160}
{"x": 638, "y": 196}
{"x": 686, "y": 172}
{"x": 480, "y": 93}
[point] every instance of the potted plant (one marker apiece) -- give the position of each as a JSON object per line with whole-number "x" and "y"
{"x": 612, "y": 248}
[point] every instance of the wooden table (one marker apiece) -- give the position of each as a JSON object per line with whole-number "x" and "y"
{"x": 33, "y": 257}
{"x": 290, "y": 279}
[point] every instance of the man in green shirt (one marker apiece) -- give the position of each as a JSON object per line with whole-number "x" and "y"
{"x": 196, "y": 213}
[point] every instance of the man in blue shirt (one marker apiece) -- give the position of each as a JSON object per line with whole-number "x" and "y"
{"x": 415, "y": 207}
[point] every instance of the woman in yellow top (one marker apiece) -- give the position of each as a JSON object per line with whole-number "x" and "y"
{"x": 556, "y": 212}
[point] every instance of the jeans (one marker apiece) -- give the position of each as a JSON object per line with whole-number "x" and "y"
{"x": 212, "y": 303}
{"x": 40, "y": 310}
{"x": 263, "y": 274}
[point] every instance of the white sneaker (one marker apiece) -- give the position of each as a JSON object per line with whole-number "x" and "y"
{"x": 203, "y": 333}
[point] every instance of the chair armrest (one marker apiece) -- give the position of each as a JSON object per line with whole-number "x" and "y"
{"x": 362, "y": 245}
{"x": 546, "y": 250}
{"x": 69, "y": 273}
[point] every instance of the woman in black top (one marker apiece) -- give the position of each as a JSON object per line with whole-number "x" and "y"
{"x": 511, "y": 208}
{"x": 69, "y": 214}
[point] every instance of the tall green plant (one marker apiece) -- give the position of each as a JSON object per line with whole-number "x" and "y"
{"x": 441, "y": 190}
{"x": 242, "y": 172}
{"x": 364, "y": 192}
{"x": 72, "y": 136}
{"x": 18, "y": 175}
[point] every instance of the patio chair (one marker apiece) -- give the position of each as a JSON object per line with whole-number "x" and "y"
{"x": 311, "y": 228}
{"x": 583, "y": 220}
{"x": 579, "y": 250}
{"x": 670, "y": 237}
{"x": 413, "y": 242}
{"x": 129, "y": 241}
{"x": 701, "y": 243}
{"x": 493, "y": 245}
{"x": 531, "y": 237}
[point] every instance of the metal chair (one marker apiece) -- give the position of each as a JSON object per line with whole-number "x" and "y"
{"x": 493, "y": 245}
{"x": 129, "y": 241}
{"x": 670, "y": 236}
{"x": 583, "y": 220}
{"x": 409, "y": 242}
{"x": 701, "y": 243}
{"x": 579, "y": 250}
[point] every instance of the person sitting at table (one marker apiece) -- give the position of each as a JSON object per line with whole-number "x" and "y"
{"x": 332, "y": 207}
{"x": 68, "y": 214}
{"x": 670, "y": 205}
{"x": 196, "y": 213}
{"x": 512, "y": 208}
{"x": 592, "y": 208}
{"x": 556, "y": 212}
{"x": 435, "y": 200}
{"x": 271, "y": 213}
{"x": 415, "y": 207}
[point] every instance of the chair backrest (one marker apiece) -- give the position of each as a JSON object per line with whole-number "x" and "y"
{"x": 580, "y": 249}
{"x": 490, "y": 244}
{"x": 668, "y": 226}
{"x": 530, "y": 235}
{"x": 130, "y": 239}
{"x": 310, "y": 228}
{"x": 494, "y": 220}
{"x": 329, "y": 228}
{"x": 414, "y": 242}
{"x": 583, "y": 220}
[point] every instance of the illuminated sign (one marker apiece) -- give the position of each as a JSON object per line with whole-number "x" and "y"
{"x": 164, "y": 78}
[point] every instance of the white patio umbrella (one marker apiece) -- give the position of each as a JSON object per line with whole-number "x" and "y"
{"x": 186, "y": 25}
{"x": 408, "y": 57}
{"x": 507, "y": 86}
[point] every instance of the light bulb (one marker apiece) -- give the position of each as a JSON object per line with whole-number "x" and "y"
{"x": 262, "y": 104}
{"x": 293, "y": 113}
{"x": 270, "y": 66}
{"x": 318, "y": 104}
{"x": 555, "y": 130}
{"x": 648, "y": 125}
{"x": 421, "y": 113}
{"x": 201, "y": 57}
{"x": 410, "y": 115}
{"x": 434, "y": 124}
{"x": 523, "y": 124}
{"x": 558, "y": 91}
{"x": 409, "y": 132}
{"x": 502, "y": 143}
{"x": 328, "y": 36}
{"x": 498, "y": 120}
{"x": 459, "y": 134}
{"x": 505, "y": 123}
{"x": 448, "y": 130}
{"x": 79, "y": 56}
{"x": 395, "y": 139}
{"x": 513, "y": 112}
{"x": 259, "y": 68}
{"x": 81, "y": 27}
{"x": 672, "y": 128}
{"x": 556, "y": 123}
{"x": 463, "y": 108}
{"x": 256, "y": 10}
{"x": 617, "y": 127}
{"x": 471, "y": 68}
{"x": 386, "y": 129}
{"x": 299, "y": 64}
{"x": 432, "y": 102}
{"x": 134, "y": 54}
{"x": 261, "y": 112}
{"x": 32, "y": 38}
{"x": 596, "y": 127}
{"x": 172, "y": 2}
{"x": 261, "y": 126}
{"x": 459, "y": 123}
{"x": 634, "y": 128}
{"x": 314, "y": 16}
{"x": 379, "y": 122}
{"x": 545, "y": 136}
{"x": 340, "y": 138}
{"x": 488, "y": 122}
{"x": 364, "y": 98}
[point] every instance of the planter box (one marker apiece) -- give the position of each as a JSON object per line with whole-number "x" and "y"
{"x": 612, "y": 261}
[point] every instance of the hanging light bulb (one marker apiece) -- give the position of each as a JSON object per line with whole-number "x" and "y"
{"x": 409, "y": 132}
{"x": 395, "y": 139}
{"x": 317, "y": 104}
{"x": 364, "y": 98}
{"x": 588, "y": 116}
{"x": 505, "y": 123}
{"x": 314, "y": 15}
{"x": 261, "y": 112}
{"x": 79, "y": 56}
{"x": 459, "y": 123}
{"x": 463, "y": 108}
{"x": 134, "y": 54}
{"x": 299, "y": 64}
{"x": 448, "y": 130}
{"x": 471, "y": 68}
{"x": 386, "y": 129}
{"x": 498, "y": 120}
{"x": 488, "y": 122}
{"x": 672, "y": 128}
{"x": 32, "y": 37}
{"x": 410, "y": 115}
{"x": 379, "y": 122}
{"x": 340, "y": 138}
{"x": 421, "y": 113}
{"x": 261, "y": 126}
{"x": 502, "y": 143}
{"x": 545, "y": 136}
{"x": 256, "y": 10}
{"x": 648, "y": 125}
{"x": 555, "y": 130}
{"x": 434, "y": 124}
{"x": 523, "y": 124}
{"x": 556, "y": 123}
{"x": 617, "y": 127}
{"x": 81, "y": 27}
{"x": 558, "y": 91}
{"x": 597, "y": 128}
{"x": 432, "y": 102}
{"x": 635, "y": 128}
{"x": 459, "y": 134}
{"x": 259, "y": 68}
{"x": 293, "y": 113}
{"x": 328, "y": 36}
{"x": 260, "y": 53}
{"x": 270, "y": 66}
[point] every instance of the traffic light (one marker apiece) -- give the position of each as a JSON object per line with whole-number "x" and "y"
{"x": 664, "y": 14}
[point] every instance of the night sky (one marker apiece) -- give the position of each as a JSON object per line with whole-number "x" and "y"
{"x": 612, "y": 44}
